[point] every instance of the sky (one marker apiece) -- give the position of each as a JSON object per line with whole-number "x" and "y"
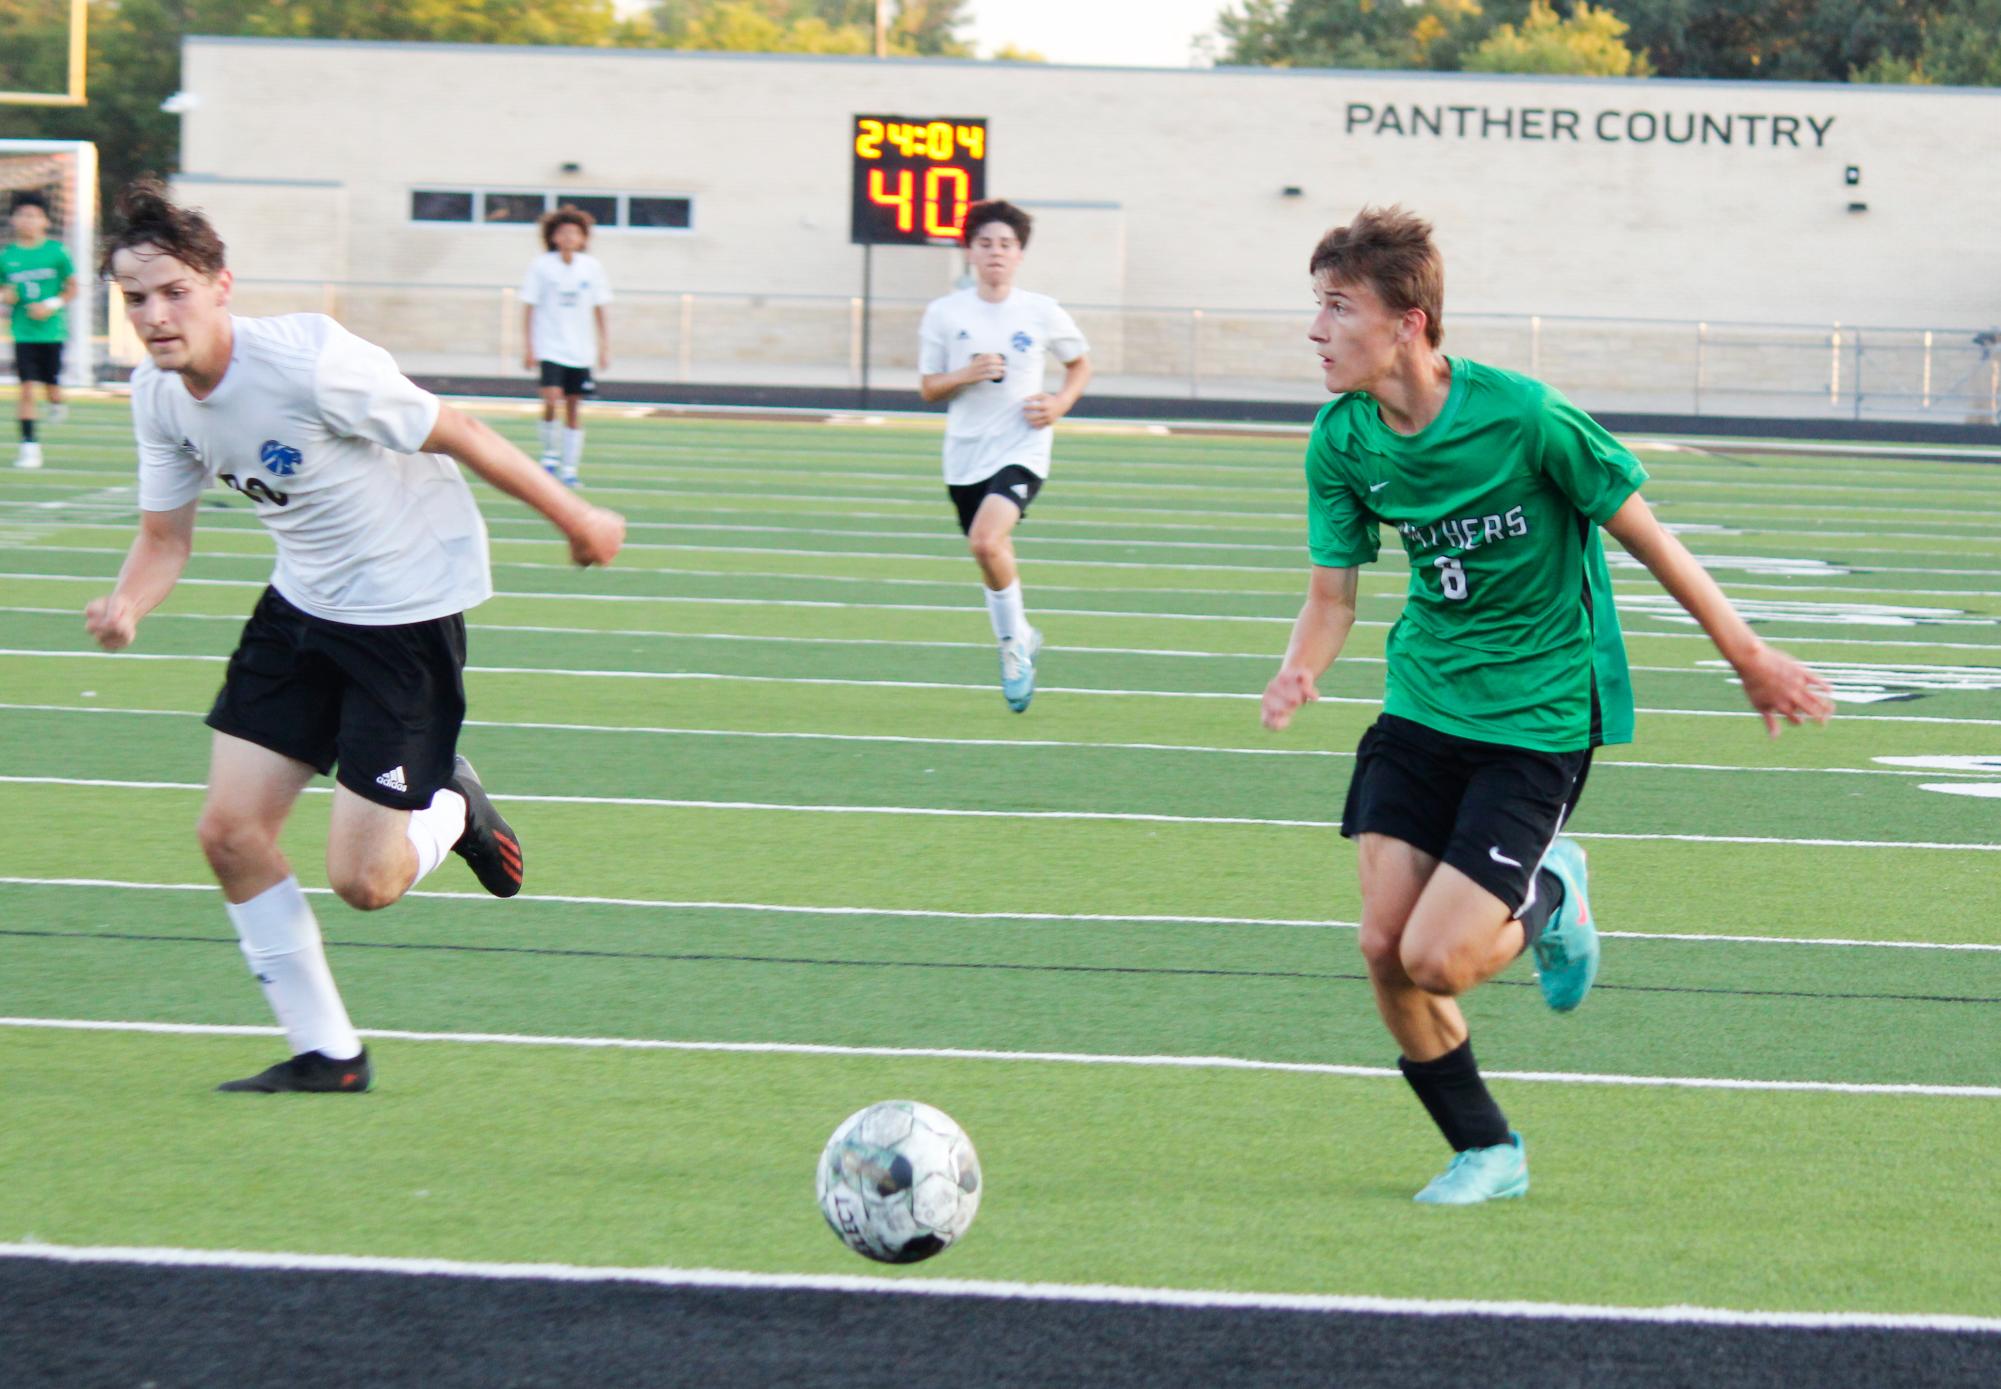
{"x": 1096, "y": 31}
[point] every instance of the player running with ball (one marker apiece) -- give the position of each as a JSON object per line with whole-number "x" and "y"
{"x": 1505, "y": 670}
{"x": 354, "y": 654}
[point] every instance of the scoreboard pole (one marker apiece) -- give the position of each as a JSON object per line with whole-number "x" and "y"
{"x": 913, "y": 179}
{"x": 868, "y": 310}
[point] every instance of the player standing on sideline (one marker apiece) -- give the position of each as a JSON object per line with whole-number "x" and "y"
{"x": 985, "y": 349}
{"x": 37, "y": 278}
{"x": 1504, "y": 672}
{"x": 564, "y": 328}
{"x": 354, "y": 654}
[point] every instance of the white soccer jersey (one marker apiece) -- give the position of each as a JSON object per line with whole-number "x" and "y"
{"x": 985, "y": 429}
{"x": 566, "y": 297}
{"x": 322, "y": 431}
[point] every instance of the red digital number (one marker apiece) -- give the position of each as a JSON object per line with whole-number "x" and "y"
{"x": 952, "y": 222}
{"x": 902, "y": 199}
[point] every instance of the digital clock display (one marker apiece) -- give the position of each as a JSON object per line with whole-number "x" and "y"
{"x": 915, "y": 176}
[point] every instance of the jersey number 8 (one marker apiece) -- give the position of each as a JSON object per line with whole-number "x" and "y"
{"x": 1451, "y": 577}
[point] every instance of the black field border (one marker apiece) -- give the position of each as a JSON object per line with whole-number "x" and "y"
{"x": 75, "y": 1325}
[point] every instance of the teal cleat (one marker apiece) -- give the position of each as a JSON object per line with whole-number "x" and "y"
{"x": 1566, "y": 955}
{"x": 1017, "y": 661}
{"x": 1481, "y": 1174}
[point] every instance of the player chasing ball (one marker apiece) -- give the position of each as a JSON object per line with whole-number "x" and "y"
{"x": 985, "y": 349}
{"x": 37, "y": 280}
{"x": 1505, "y": 670}
{"x": 564, "y": 330}
{"x": 354, "y": 656}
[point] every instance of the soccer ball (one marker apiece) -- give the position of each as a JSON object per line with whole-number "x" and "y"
{"x": 899, "y": 1181}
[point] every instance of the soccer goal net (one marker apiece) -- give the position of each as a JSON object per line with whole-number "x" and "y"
{"x": 65, "y": 174}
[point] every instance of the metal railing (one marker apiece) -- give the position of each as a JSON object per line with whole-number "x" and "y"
{"x": 1830, "y": 371}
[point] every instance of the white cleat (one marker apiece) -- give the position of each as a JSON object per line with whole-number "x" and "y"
{"x": 30, "y": 456}
{"x": 1017, "y": 658}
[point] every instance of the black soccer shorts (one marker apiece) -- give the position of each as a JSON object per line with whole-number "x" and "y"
{"x": 572, "y": 380}
{"x": 383, "y": 703}
{"x": 1490, "y": 810}
{"x": 39, "y": 361}
{"x": 1014, "y": 482}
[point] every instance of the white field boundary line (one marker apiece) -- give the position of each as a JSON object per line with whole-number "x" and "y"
{"x": 1390, "y": 592}
{"x": 692, "y": 503}
{"x": 1088, "y": 918}
{"x": 1325, "y": 1304}
{"x": 901, "y": 489}
{"x": 539, "y": 535}
{"x": 650, "y": 730}
{"x": 821, "y": 680}
{"x": 968, "y": 813}
{"x": 964, "y": 609}
{"x": 784, "y": 639}
{"x": 1059, "y": 1058}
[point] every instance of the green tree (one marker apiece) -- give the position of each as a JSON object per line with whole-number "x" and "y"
{"x": 1793, "y": 40}
{"x": 1962, "y": 45}
{"x": 1588, "y": 43}
{"x": 34, "y": 45}
{"x": 916, "y": 27}
{"x": 1351, "y": 33}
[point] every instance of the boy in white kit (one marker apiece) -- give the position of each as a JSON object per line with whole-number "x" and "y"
{"x": 354, "y": 656}
{"x": 564, "y": 330}
{"x": 985, "y": 349}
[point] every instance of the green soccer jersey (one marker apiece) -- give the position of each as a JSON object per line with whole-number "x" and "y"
{"x": 35, "y": 273}
{"x": 1508, "y": 634}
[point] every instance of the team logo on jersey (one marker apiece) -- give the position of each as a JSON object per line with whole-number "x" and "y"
{"x": 190, "y": 449}
{"x": 281, "y": 459}
{"x": 1022, "y": 342}
{"x": 963, "y": 335}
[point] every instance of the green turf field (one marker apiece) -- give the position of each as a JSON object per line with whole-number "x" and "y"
{"x": 774, "y": 806}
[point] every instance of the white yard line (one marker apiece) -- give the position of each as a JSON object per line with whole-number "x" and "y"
{"x": 1087, "y": 918}
{"x": 1061, "y": 1058}
{"x": 1391, "y": 593}
{"x": 1924, "y": 640}
{"x": 1599, "y": 764}
{"x": 1108, "y": 816}
{"x": 1096, "y": 692}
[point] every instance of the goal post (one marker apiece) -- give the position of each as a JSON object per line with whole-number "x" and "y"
{"x": 64, "y": 172}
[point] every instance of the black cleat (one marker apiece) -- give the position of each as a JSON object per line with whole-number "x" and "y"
{"x": 488, "y": 843}
{"x": 308, "y": 1073}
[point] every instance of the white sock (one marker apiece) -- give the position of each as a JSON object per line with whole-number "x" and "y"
{"x": 1005, "y": 611}
{"x": 552, "y": 434}
{"x": 573, "y": 449}
{"x": 281, "y": 940}
{"x": 434, "y": 829}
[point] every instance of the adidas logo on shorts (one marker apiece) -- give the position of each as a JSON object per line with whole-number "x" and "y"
{"x": 393, "y": 779}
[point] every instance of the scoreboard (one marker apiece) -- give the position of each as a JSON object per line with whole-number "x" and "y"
{"x": 914, "y": 178}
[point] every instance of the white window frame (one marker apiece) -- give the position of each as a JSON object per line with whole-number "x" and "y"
{"x": 551, "y": 197}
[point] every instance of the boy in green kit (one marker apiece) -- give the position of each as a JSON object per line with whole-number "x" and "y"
{"x": 37, "y": 279}
{"x": 1503, "y": 673}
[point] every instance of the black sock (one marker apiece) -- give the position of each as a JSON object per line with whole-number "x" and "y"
{"x": 27, "y": 431}
{"x": 1453, "y": 1094}
{"x": 1536, "y": 915}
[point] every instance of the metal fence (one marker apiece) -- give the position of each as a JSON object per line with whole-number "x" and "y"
{"x": 1827, "y": 371}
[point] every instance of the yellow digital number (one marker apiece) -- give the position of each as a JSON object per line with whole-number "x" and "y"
{"x": 868, "y": 140}
{"x": 973, "y": 139}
